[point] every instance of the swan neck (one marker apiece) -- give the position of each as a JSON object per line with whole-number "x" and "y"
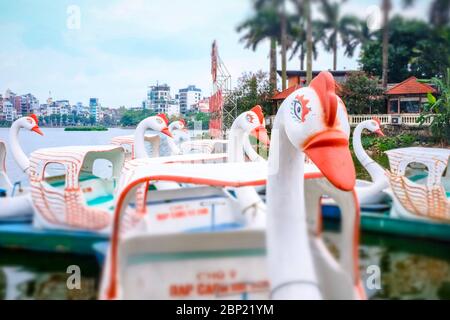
{"x": 236, "y": 144}
{"x": 375, "y": 171}
{"x": 18, "y": 154}
{"x": 139, "y": 141}
{"x": 289, "y": 256}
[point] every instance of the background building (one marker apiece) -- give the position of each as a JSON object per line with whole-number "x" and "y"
{"x": 203, "y": 105}
{"x": 158, "y": 98}
{"x": 95, "y": 109}
{"x": 189, "y": 97}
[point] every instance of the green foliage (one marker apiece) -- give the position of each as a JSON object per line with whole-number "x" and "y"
{"x": 415, "y": 48}
{"x": 362, "y": 95}
{"x": 376, "y": 146}
{"x": 131, "y": 118}
{"x": 252, "y": 89}
{"x": 382, "y": 144}
{"x": 335, "y": 26}
{"x": 90, "y": 128}
{"x": 198, "y": 117}
{"x": 438, "y": 110}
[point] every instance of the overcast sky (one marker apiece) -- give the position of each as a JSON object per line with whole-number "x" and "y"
{"x": 123, "y": 46}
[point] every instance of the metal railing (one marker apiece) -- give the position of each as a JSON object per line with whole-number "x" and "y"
{"x": 407, "y": 119}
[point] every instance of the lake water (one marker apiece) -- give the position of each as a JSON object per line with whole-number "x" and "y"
{"x": 410, "y": 269}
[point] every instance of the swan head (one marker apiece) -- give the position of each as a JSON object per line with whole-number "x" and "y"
{"x": 373, "y": 125}
{"x": 178, "y": 125}
{"x": 316, "y": 123}
{"x": 253, "y": 123}
{"x": 157, "y": 123}
{"x": 29, "y": 123}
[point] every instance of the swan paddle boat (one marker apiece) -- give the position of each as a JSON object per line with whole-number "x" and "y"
{"x": 371, "y": 194}
{"x": 283, "y": 259}
{"x": 15, "y": 201}
{"x": 72, "y": 192}
{"x": 179, "y": 131}
{"x": 152, "y": 142}
{"x": 73, "y": 226}
{"x": 419, "y": 185}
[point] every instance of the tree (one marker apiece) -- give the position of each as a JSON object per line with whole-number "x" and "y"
{"x": 361, "y": 94}
{"x": 386, "y": 7}
{"x": 252, "y": 89}
{"x": 335, "y": 26}
{"x": 438, "y": 110}
{"x": 415, "y": 49}
{"x": 264, "y": 24}
{"x": 270, "y": 21}
{"x": 199, "y": 117}
{"x": 440, "y": 13}
{"x": 299, "y": 34}
{"x": 131, "y": 118}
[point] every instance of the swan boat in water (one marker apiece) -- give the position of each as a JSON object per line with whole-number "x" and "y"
{"x": 371, "y": 194}
{"x": 420, "y": 196}
{"x": 150, "y": 263}
{"x": 76, "y": 202}
{"x": 15, "y": 201}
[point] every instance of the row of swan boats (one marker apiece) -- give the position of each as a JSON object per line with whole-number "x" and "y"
{"x": 205, "y": 223}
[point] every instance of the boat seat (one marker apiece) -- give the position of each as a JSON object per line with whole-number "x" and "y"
{"x": 96, "y": 192}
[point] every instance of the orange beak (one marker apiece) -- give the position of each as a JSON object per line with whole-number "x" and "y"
{"x": 260, "y": 133}
{"x": 330, "y": 152}
{"x": 379, "y": 132}
{"x": 167, "y": 132}
{"x": 37, "y": 130}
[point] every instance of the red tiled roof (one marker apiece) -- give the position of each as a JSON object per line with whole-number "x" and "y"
{"x": 284, "y": 94}
{"x": 411, "y": 86}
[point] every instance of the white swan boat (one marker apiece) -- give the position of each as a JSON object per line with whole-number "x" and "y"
{"x": 295, "y": 263}
{"x": 16, "y": 205}
{"x": 179, "y": 131}
{"x": 371, "y": 194}
{"x": 424, "y": 196}
{"x": 420, "y": 196}
{"x": 15, "y": 201}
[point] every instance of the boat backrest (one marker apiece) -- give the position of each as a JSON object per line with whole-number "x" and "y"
{"x": 2, "y": 156}
{"x": 338, "y": 277}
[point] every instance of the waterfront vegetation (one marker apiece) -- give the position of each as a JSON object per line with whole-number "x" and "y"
{"x": 439, "y": 110}
{"x": 88, "y": 128}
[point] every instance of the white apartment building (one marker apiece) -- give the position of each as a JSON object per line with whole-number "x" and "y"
{"x": 158, "y": 98}
{"x": 173, "y": 109}
{"x": 189, "y": 97}
{"x": 9, "y": 111}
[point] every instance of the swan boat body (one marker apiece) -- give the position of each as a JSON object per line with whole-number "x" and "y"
{"x": 74, "y": 226}
{"x": 371, "y": 194}
{"x": 183, "y": 262}
{"x": 15, "y": 202}
{"x": 420, "y": 198}
{"x": 182, "y": 246}
{"x": 153, "y": 142}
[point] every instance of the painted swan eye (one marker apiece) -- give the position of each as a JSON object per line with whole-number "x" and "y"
{"x": 298, "y": 109}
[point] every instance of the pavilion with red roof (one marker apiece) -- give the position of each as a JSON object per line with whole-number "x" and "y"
{"x": 408, "y": 96}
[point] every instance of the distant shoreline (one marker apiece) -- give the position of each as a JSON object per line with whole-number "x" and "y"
{"x": 86, "y": 128}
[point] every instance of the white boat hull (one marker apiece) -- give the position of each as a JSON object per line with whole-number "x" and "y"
{"x": 16, "y": 207}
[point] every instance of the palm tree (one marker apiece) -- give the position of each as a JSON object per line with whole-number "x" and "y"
{"x": 278, "y": 6}
{"x": 440, "y": 12}
{"x": 304, "y": 32}
{"x": 386, "y": 7}
{"x": 336, "y": 26}
{"x": 264, "y": 24}
{"x": 299, "y": 45}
